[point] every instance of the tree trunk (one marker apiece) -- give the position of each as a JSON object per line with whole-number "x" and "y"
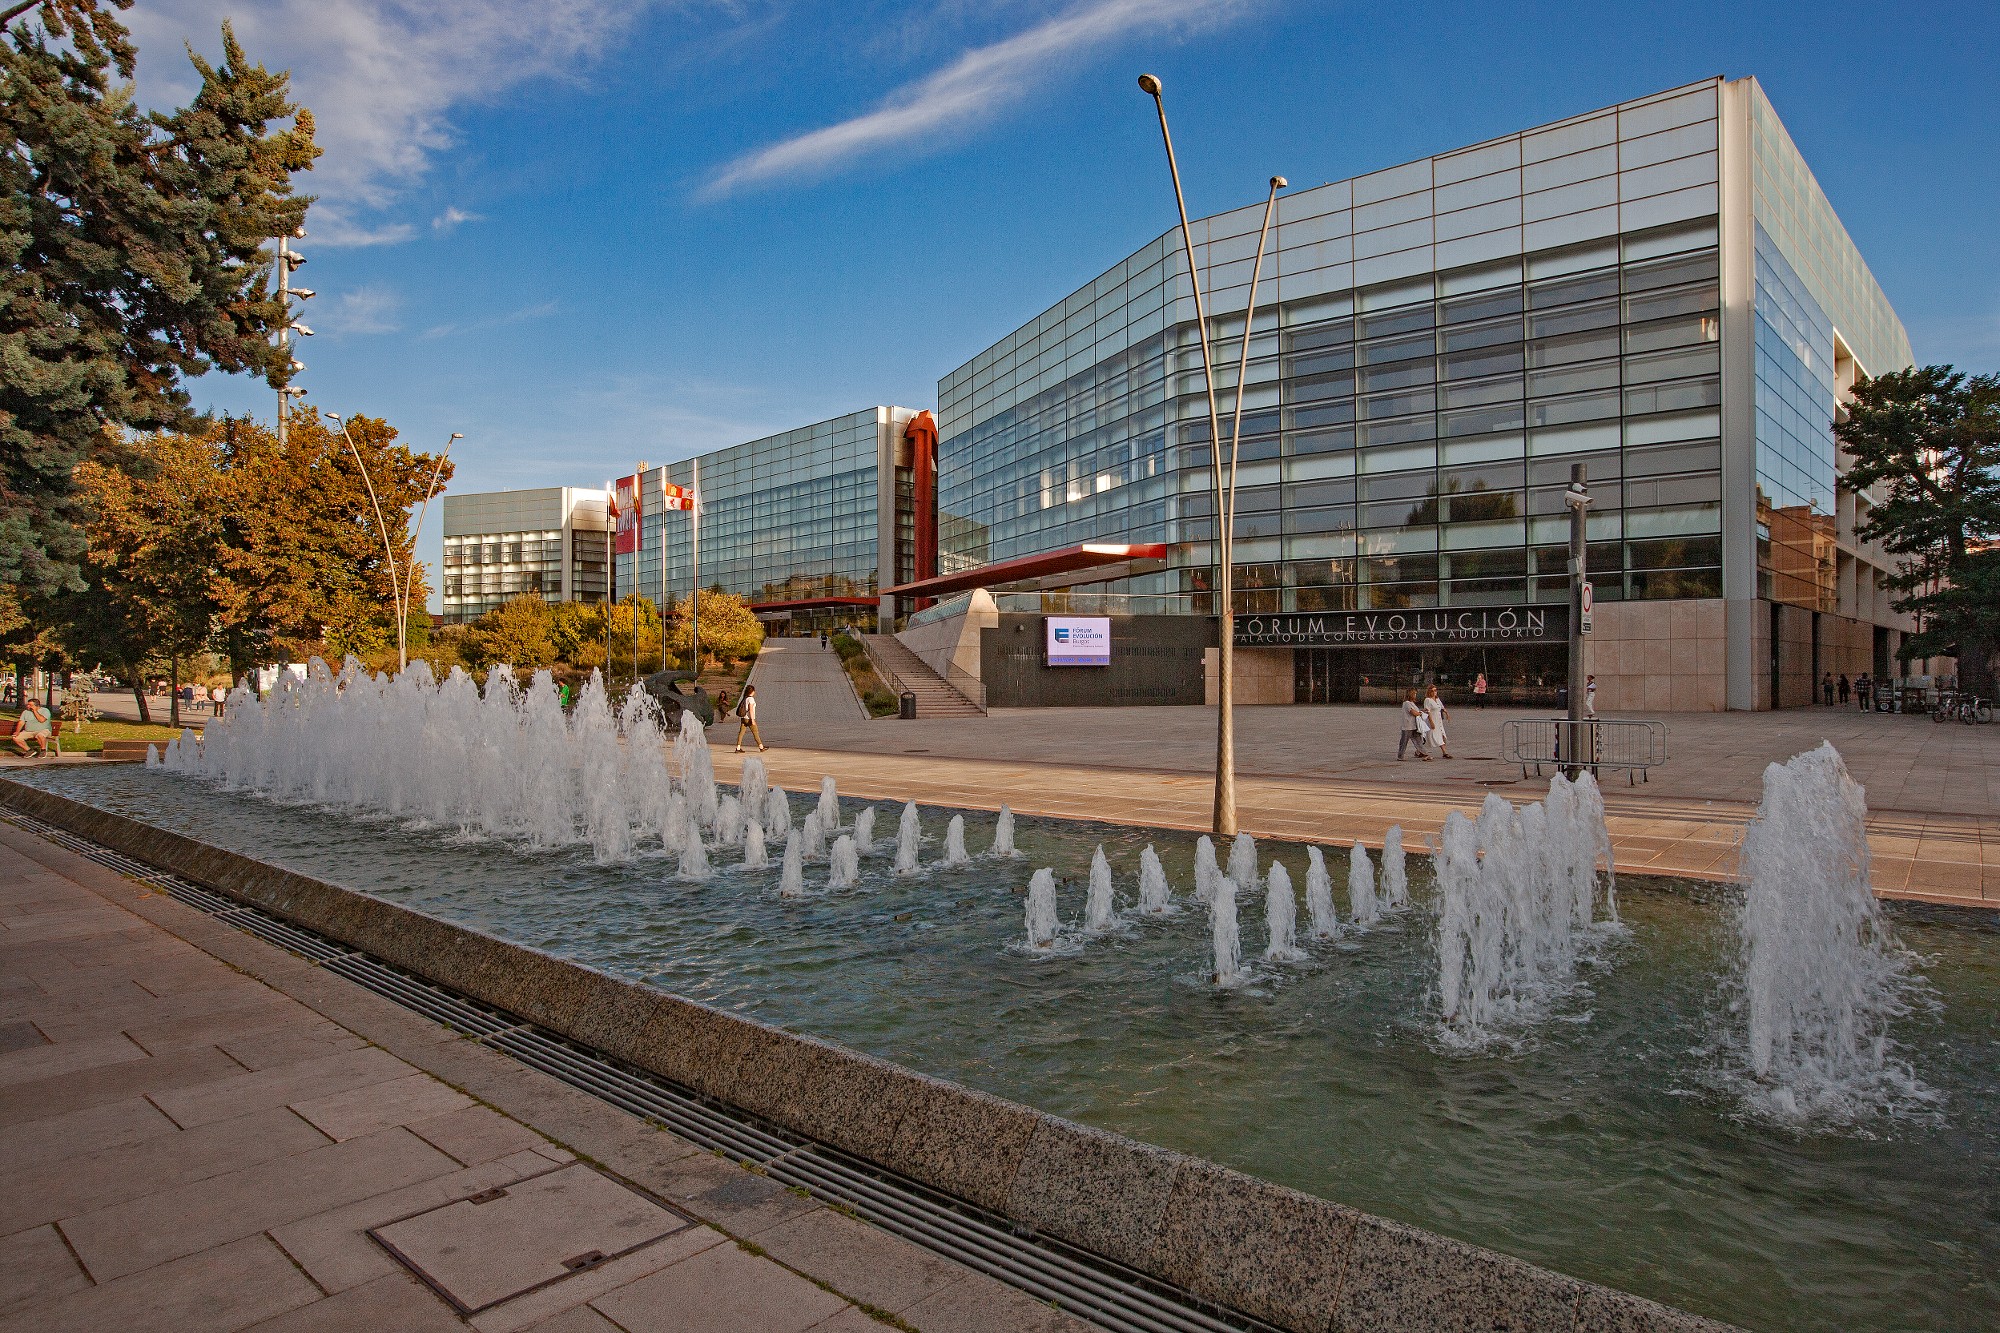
{"x": 1975, "y": 666}
{"x": 174, "y": 692}
{"x": 139, "y": 696}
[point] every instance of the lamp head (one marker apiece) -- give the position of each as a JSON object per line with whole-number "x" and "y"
{"x": 1149, "y": 84}
{"x": 456, "y": 435}
{"x": 1279, "y": 182}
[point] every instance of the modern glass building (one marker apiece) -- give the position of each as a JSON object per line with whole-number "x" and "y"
{"x": 1658, "y": 290}
{"x": 800, "y": 524}
{"x": 553, "y": 541}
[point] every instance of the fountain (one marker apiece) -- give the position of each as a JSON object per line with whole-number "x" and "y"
{"x": 954, "y": 842}
{"x": 1042, "y": 910}
{"x": 728, "y": 822}
{"x": 754, "y": 856}
{"x": 792, "y": 880}
{"x": 1821, "y": 975}
{"x": 754, "y": 784}
{"x": 1003, "y": 834}
{"x": 1281, "y": 916}
{"x": 1517, "y": 899}
{"x": 1155, "y": 898}
{"x": 1099, "y": 912}
{"x": 694, "y": 856}
{"x": 777, "y": 814}
{"x": 1362, "y": 907}
{"x": 1206, "y": 872}
{"x": 1319, "y": 897}
{"x": 908, "y": 833}
{"x": 829, "y": 805}
{"x": 864, "y": 832}
{"x": 1243, "y": 861}
{"x": 1395, "y": 870}
{"x": 676, "y": 823}
{"x": 1228, "y": 946}
{"x": 812, "y": 835}
{"x": 845, "y": 864}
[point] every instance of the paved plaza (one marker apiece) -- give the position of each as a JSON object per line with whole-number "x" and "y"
{"x": 1330, "y": 773}
{"x": 200, "y": 1132}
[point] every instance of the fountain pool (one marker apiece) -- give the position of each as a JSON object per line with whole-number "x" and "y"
{"x": 1610, "y": 1141}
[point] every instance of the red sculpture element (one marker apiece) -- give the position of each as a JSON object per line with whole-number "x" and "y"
{"x": 922, "y": 433}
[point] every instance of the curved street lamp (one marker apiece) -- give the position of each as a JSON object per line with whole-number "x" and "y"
{"x": 1224, "y": 521}
{"x": 388, "y": 549}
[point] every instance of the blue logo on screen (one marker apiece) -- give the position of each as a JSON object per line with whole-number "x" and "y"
{"x": 1062, "y": 635}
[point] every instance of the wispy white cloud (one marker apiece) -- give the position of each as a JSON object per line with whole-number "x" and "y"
{"x": 371, "y": 309}
{"x": 975, "y": 88}
{"x": 382, "y": 78}
{"x": 453, "y": 218}
{"x": 539, "y": 310}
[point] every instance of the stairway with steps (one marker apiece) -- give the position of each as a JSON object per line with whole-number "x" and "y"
{"x": 903, "y": 670}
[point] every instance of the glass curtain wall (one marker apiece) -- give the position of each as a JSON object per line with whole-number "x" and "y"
{"x": 482, "y": 572}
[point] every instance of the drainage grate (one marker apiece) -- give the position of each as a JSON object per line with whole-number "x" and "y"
{"x": 1088, "y": 1286}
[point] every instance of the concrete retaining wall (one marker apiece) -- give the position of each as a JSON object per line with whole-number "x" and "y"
{"x": 1298, "y": 1261}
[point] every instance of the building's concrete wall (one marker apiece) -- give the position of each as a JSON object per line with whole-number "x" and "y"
{"x": 1657, "y": 657}
{"x": 951, "y": 647}
{"x": 1154, "y": 660}
{"x": 1262, "y": 676}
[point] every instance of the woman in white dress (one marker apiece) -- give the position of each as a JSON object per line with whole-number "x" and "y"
{"x": 1435, "y": 713}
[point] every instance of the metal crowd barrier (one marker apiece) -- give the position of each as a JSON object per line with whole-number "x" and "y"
{"x": 1605, "y": 743}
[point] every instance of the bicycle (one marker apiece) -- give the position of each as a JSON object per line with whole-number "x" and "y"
{"x": 1966, "y": 708}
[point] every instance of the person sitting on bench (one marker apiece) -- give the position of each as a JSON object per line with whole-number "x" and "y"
{"x": 34, "y": 725}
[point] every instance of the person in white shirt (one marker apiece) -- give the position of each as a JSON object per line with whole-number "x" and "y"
{"x": 1590, "y": 697}
{"x": 1413, "y": 727}
{"x": 746, "y": 719}
{"x": 1435, "y": 713}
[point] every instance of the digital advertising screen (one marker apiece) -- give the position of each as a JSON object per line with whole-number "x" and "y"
{"x": 1079, "y": 640}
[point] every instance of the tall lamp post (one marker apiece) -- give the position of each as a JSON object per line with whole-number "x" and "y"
{"x": 388, "y": 549}
{"x": 410, "y": 576}
{"x": 288, "y": 261}
{"x": 1224, "y": 522}
{"x": 1577, "y": 497}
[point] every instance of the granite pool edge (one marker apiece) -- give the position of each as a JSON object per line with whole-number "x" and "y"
{"x": 1293, "y": 1259}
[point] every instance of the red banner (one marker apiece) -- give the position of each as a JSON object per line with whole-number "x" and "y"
{"x": 625, "y": 505}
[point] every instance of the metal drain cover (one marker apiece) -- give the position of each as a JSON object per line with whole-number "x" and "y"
{"x": 501, "y": 1243}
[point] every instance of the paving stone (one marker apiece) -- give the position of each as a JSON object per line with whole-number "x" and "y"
{"x": 862, "y": 1262}
{"x": 230, "y": 1287}
{"x": 46, "y": 1098}
{"x": 582, "y": 1319}
{"x": 50, "y": 1060}
{"x": 353, "y": 1112}
{"x": 20, "y": 1035}
{"x": 503, "y": 1241}
{"x": 90, "y": 1180}
{"x": 307, "y": 1037}
{"x": 396, "y": 1302}
{"x": 981, "y": 1305}
{"x": 721, "y": 1290}
{"x": 93, "y": 1129}
{"x": 128, "y": 1237}
{"x": 476, "y": 1134}
{"x": 334, "y": 1248}
{"x": 737, "y": 1201}
{"x": 35, "y": 1265}
{"x": 244, "y": 1093}
{"x": 538, "y": 1308}
{"x": 849, "y": 1320}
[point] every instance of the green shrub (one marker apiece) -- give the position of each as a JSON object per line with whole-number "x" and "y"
{"x": 848, "y": 647}
{"x": 880, "y": 703}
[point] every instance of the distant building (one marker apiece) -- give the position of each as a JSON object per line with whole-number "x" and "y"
{"x": 554, "y": 541}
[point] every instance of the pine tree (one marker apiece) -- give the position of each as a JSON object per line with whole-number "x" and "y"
{"x": 131, "y": 247}
{"x": 1932, "y": 437}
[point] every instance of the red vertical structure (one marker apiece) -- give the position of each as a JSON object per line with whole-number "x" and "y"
{"x": 922, "y": 434}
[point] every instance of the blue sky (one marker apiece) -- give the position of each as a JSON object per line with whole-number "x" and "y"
{"x": 585, "y": 232}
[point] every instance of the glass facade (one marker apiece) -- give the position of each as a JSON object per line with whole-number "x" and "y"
{"x": 1796, "y": 467}
{"x": 498, "y": 545}
{"x": 1435, "y": 346}
{"x": 482, "y": 572}
{"x": 793, "y": 517}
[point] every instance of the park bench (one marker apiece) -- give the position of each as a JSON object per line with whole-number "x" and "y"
{"x": 1631, "y": 744}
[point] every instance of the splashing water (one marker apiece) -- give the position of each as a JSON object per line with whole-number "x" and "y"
{"x": 1099, "y": 912}
{"x": 1517, "y": 894}
{"x": 1395, "y": 870}
{"x": 1155, "y": 898}
{"x": 1319, "y": 897}
{"x": 1362, "y": 907}
{"x": 908, "y": 834}
{"x": 1822, "y": 978}
{"x": 844, "y": 864}
{"x": 812, "y": 836}
{"x": 1223, "y": 934}
{"x": 792, "y": 880}
{"x": 694, "y": 856}
{"x": 754, "y": 784}
{"x": 754, "y": 855}
{"x": 1281, "y": 918}
{"x": 1003, "y": 834}
{"x": 864, "y": 832}
{"x": 777, "y": 814}
{"x": 1206, "y": 871}
{"x": 728, "y": 822}
{"x": 829, "y": 804}
{"x": 954, "y": 842}
{"x": 1042, "y": 910}
{"x": 1243, "y": 861}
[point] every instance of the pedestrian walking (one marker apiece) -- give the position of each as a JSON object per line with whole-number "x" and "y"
{"x": 746, "y": 719}
{"x": 1479, "y": 690}
{"x": 1590, "y": 697}
{"x": 1862, "y": 686}
{"x": 1435, "y": 713}
{"x": 1413, "y": 728}
{"x": 1826, "y": 689}
{"x": 1846, "y": 690}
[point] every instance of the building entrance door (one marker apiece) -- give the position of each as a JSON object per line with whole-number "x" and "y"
{"x": 1326, "y": 676}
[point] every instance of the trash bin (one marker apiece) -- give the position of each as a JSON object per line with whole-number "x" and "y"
{"x": 907, "y": 707}
{"x": 1562, "y": 699}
